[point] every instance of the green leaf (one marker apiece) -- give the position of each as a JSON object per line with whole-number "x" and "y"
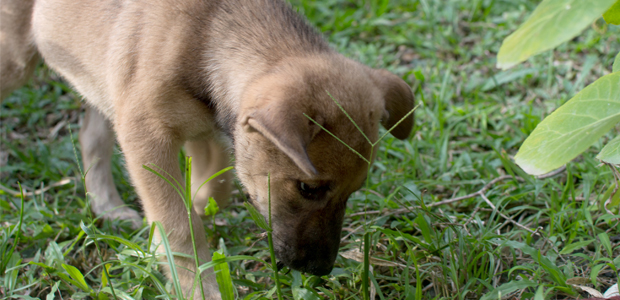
{"x": 51, "y": 295}
{"x": 118, "y": 293}
{"x": 611, "y": 152}
{"x": 540, "y": 293}
{"x": 211, "y": 208}
{"x": 508, "y": 288}
{"x": 616, "y": 66}
{"x": 573, "y": 127}
{"x": 612, "y": 15}
{"x": 615, "y": 200}
{"x": 256, "y": 216}
{"x": 300, "y": 292}
{"x": 594, "y": 273}
{"x": 604, "y": 238}
{"x": 77, "y": 276}
{"x": 222, "y": 275}
{"x": 105, "y": 271}
{"x": 574, "y": 246}
{"x": 425, "y": 228}
{"x": 553, "y": 22}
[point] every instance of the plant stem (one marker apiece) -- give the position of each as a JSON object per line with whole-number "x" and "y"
{"x": 365, "y": 275}
{"x": 270, "y": 239}
{"x": 189, "y": 207}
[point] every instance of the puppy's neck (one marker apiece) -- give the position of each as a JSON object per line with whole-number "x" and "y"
{"x": 248, "y": 39}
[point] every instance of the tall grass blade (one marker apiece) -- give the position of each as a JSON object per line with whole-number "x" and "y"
{"x": 365, "y": 277}
{"x": 161, "y": 287}
{"x": 165, "y": 179}
{"x": 222, "y": 171}
{"x": 397, "y": 123}
{"x": 270, "y": 239}
{"x": 350, "y": 148}
{"x": 189, "y": 206}
{"x": 170, "y": 257}
{"x": 228, "y": 259}
{"x": 350, "y": 119}
{"x": 256, "y": 216}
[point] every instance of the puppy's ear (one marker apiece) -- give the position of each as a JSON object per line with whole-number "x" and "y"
{"x": 398, "y": 102}
{"x": 290, "y": 132}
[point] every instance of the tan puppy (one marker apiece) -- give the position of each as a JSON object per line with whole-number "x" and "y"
{"x": 168, "y": 73}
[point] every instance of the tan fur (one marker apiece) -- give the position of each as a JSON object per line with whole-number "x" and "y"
{"x": 168, "y": 73}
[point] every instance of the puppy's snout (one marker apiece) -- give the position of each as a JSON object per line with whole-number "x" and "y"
{"x": 310, "y": 253}
{"x": 318, "y": 268}
{"x": 312, "y": 260}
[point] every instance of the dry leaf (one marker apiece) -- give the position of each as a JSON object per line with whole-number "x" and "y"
{"x": 611, "y": 291}
{"x": 589, "y": 290}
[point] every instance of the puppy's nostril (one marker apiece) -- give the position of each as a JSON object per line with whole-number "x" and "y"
{"x": 279, "y": 265}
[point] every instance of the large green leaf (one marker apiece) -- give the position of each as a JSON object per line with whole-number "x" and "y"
{"x": 222, "y": 275}
{"x": 573, "y": 127}
{"x": 552, "y": 23}
{"x": 612, "y": 15}
{"x": 611, "y": 152}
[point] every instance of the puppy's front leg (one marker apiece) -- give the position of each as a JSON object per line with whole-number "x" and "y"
{"x": 148, "y": 138}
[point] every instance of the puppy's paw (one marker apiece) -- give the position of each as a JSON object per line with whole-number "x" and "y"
{"x": 212, "y": 295}
{"x": 124, "y": 214}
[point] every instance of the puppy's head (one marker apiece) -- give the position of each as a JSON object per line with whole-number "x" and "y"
{"x": 312, "y": 173}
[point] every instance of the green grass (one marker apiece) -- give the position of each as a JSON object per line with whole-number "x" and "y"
{"x": 472, "y": 121}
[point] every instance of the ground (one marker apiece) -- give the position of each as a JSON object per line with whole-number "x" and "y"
{"x": 448, "y": 213}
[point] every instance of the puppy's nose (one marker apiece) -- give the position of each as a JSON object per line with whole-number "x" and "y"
{"x": 317, "y": 268}
{"x": 280, "y": 265}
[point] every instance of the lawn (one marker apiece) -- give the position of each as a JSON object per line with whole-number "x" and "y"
{"x": 448, "y": 213}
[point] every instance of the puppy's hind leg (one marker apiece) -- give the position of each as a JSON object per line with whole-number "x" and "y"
{"x": 97, "y": 142}
{"x": 208, "y": 158}
{"x": 19, "y": 55}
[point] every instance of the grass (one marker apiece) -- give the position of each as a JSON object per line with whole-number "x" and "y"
{"x": 436, "y": 228}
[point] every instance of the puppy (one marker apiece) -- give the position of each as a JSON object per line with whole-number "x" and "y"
{"x": 163, "y": 74}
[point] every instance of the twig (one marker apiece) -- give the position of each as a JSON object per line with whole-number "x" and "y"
{"x": 457, "y": 199}
{"x": 373, "y": 192}
{"x": 552, "y": 173}
{"x": 509, "y": 219}
{"x": 15, "y": 193}
{"x": 354, "y": 231}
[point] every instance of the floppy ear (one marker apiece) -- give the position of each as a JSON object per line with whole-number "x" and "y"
{"x": 290, "y": 132}
{"x": 398, "y": 102}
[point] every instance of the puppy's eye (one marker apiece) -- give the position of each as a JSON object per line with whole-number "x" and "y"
{"x": 312, "y": 192}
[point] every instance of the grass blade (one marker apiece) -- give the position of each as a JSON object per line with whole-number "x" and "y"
{"x": 170, "y": 257}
